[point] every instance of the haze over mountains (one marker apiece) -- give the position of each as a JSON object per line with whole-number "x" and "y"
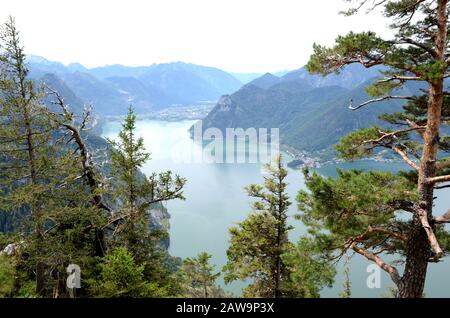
{"x": 112, "y": 88}
{"x": 311, "y": 111}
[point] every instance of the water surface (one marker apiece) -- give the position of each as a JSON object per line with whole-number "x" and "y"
{"x": 216, "y": 201}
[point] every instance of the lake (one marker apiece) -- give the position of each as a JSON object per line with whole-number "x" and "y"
{"x": 216, "y": 201}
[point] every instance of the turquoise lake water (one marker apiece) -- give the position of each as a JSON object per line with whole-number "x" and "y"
{"x": 216, "y": 200}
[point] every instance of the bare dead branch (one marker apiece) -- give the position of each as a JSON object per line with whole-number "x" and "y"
{"x": 400, "y": 79}
{"x": 377, "y": 100}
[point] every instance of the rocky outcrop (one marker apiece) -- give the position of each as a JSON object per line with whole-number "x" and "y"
{"x": 159, "y": 219}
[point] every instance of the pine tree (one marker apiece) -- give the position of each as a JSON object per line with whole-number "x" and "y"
{"x": 41, "y": 177}
{"x": 258, "y": 243}
{"x": 309, "y": 269}
{"x": 260, "y": 251}
{"x": 25, "y": 140}
{"x": 199, "y": 278}
{"x": 127, "y": 157}
{"x": 137, "y": 194}
{"x": 359, "y": 210}
{"x": 121, "y": 276}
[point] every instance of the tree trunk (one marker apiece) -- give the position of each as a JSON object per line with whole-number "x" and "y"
{"x": 418, "y": 246}
{"x": 418, "y": 252}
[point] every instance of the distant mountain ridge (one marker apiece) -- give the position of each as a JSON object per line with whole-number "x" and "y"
{"x": 112, "y": 88}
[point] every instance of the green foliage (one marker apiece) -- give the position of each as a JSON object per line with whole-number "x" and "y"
{"x": 199, "y": 278}
{"x": 381, "y": 88}
{"x": 309, "y": 270}
{"x": 43, "y": 177}
{"x": 137, "y": 193}
{"x": 260, "y": 251}
{"x": 7, "y": 276}
{"x": 251, "y": 252}
{"x": 258, "y": 243}
{"x": 40, "y": 175}
{"x": 347, "y": 291}
{"x": 347, "y": 205}
{"x": 120, "y": 276}
{"x": 358, "y": 210}
{"x": 351, "y": 47}
{"x": 352, "y": 146}
{"x": 5, "y": 239}
{"x": 127, "y": 156}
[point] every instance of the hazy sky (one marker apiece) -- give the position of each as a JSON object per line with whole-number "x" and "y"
{"x": 235, "y": 35}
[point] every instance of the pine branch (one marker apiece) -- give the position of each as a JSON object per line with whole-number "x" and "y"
{"x": 405, "y": 158}
{"x": 439, "y": 179}
{"x": 443, "y": 164}
{"x": 423, "y": 217}
{"x": 391, "y": 270}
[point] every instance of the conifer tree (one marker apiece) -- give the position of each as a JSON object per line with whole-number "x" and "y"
{"x": 359, "y": 210}
{"x": 25, "y": 140}
{"x": 121, "y": 276}
{"x": 199, "y": 278}
{"x": 41, "y": 178}
{"x": 260, "y": 251}
{"x": 136, "y": 192}
{"x": 127, "y": 157}
{"x": 258, "y": 243}
{"x": 137, "y": 195}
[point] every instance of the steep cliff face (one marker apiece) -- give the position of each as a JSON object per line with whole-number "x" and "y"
{"x": 160, "y": 219}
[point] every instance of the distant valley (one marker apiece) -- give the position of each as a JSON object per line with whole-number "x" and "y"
{"x": 110, "y": 89}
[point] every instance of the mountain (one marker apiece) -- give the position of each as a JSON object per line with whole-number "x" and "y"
{"x": 99, "y": 148}
{"x": 311, "y": 117}
{"x": 266, "y": 81}
{"x": 103, "y": 96}
{"x": 282, "y": 73}
{"x": 117, "y": 70}
{"x": 110, "y": 89}
{"x": 246, "y": 78}
{"x": 55, "y": 83}
{"x": 142, "y": 96}
{"x": 190, "y": 83}
{"x": 350, "y": 77}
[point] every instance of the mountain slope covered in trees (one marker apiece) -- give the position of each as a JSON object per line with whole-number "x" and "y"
{"x": 311, "y": 112}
